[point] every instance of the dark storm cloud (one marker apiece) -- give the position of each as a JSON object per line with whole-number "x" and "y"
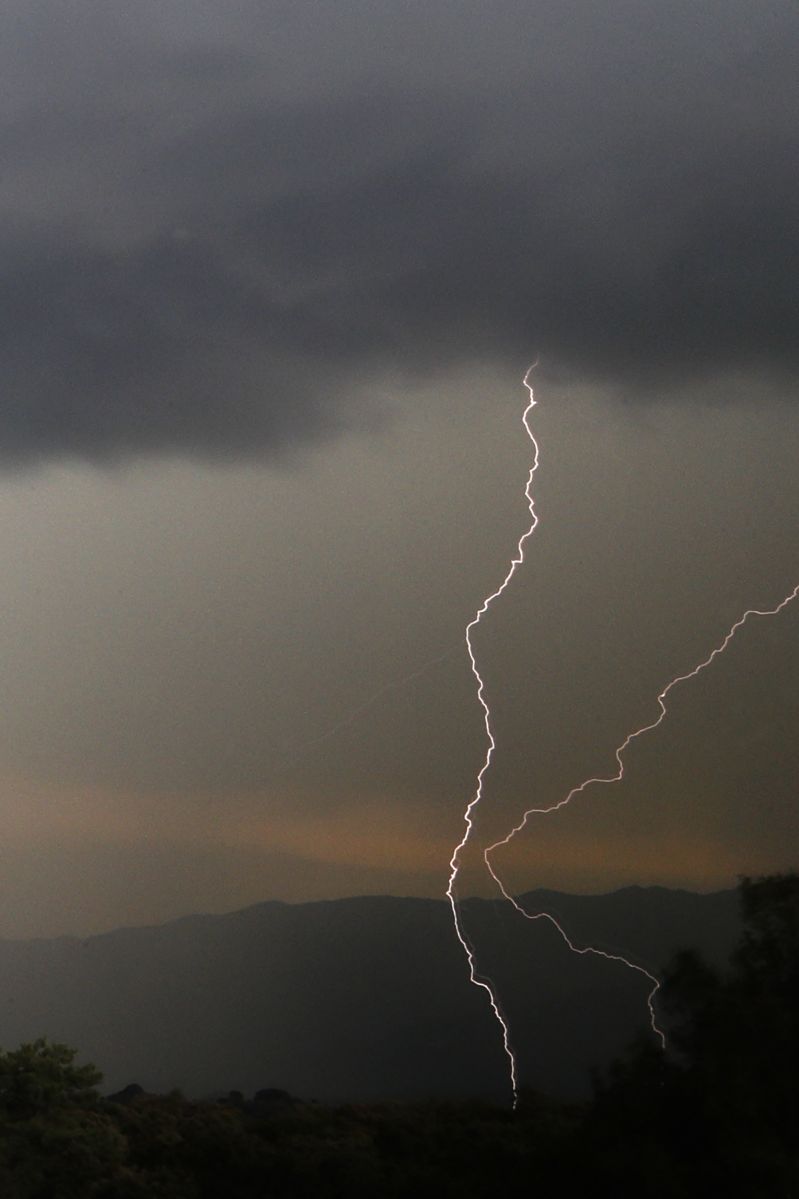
{"x": 220, "y": 221}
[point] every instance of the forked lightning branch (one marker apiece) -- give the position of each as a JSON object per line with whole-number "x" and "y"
{"x": 468, "y": 817}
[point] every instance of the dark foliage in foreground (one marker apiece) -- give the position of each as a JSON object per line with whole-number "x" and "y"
{"x": 717, "y": 1114}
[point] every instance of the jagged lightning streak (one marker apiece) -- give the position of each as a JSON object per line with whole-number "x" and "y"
{"x": 586, "y": 949}
{"x": 475, "y": 978}
{"x": 516, "y": 561}
{"x": 616, "y": 778}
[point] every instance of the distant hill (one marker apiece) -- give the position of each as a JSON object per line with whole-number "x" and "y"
{"x": 357, "y": 998}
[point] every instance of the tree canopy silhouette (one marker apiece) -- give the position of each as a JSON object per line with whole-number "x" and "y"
{"x": 720, "y": 1109}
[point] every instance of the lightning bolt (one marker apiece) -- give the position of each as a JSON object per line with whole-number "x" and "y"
{"x": 586, "y": 949}
{"x": 475, "y": 978}
{"x": 617, "y": 778}
{"x": 480, "y": 980}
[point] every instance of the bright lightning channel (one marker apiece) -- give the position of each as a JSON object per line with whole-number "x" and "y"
{"x": 455, "y": 862}
{"x": 617, "y": 778}
{"x": 516, "y": 561}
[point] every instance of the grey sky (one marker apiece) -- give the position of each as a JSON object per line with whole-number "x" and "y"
{"x": 221, "y": 222}
{"x": 272, "y": 276}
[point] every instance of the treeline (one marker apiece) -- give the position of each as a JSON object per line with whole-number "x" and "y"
{"x": 717, "y": 1114}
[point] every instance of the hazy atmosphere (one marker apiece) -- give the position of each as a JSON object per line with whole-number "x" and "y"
{"x": 273, "y": 274}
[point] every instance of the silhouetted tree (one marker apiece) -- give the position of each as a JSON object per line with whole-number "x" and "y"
{"x": 42, "y": 1075}
{"x": 55, "y": 1141}
{"x": 719, "y": 1112}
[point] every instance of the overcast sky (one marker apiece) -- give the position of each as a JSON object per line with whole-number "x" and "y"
{"x": 272, "y": 275}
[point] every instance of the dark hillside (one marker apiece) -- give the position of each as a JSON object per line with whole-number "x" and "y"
{"x": 361, "y": 998}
